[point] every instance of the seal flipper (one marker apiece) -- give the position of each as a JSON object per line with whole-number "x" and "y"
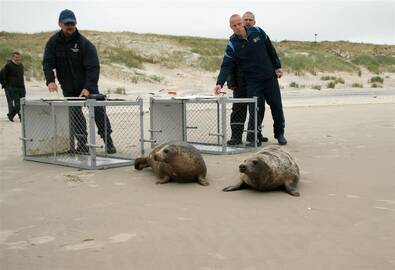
{"x": 202, "y": 181}
{"x": 290, "y": 188}
{"x": 141, "y": 163}
{"x": 164, "y": 180}
{"x": 239, "y": 186}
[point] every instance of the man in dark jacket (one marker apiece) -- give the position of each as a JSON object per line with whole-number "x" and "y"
{"x": 252, "y": 51}
{"x": 77, "y": 67}
{"x": 13, "y": 75}
{"x": 237, "y": 84}
{"x": 8, "y": 96}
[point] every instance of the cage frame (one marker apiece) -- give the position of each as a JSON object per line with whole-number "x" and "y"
{"x": 93, "y": 156}
{"x": 222, "y": 113}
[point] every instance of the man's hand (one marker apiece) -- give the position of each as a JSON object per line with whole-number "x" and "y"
{"x": 217, "y": 89}
{"x": 84, "y": 93}
{"x": 52, "y": 87}
{"x": 279, "y": 72}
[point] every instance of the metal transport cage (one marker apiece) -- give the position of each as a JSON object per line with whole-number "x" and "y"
{"x": 206, "y": 122}
{"x": 82, "y": 133}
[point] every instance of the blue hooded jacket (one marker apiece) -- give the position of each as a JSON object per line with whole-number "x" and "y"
{"x": 256, "y": 56}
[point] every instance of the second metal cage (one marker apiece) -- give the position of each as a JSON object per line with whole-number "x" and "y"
{"x": 205, "y": 122}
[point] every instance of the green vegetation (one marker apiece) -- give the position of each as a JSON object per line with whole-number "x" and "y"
{"x": 376, "y": 85}
{"x": 331, "y": 85}
{"x": 133, "y": 51}
{"x": 376, "y": 79}
{"x": 328, "y": 78}
{"x": 294, "y": 84}
{"x": 375, "y": 63}
{"x": 339, "y": 80}
{"x": 120, "y": 91}
{"x": 316, "y": 87}
{"x": 357, "y": 85}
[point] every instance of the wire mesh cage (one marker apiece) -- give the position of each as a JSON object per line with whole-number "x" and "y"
{"x": 214, "y": 125}
{"x": 82, "y": 133}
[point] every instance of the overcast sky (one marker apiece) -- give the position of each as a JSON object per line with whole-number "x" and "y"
{"x": 359, "y": 21}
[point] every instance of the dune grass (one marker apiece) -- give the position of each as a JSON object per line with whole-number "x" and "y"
{"x": 133, "y": 50}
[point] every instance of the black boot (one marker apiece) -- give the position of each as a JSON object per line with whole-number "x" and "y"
{"x": 110, "y": 148}
{"x": 10, "y": 116}
{"x": 281, "y": 139}
{"x": 262, "y": 139}
{"x": 234, "y": 141}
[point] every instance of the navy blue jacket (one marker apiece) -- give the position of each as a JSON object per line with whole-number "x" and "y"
{"x": 75, "y": 61}
{"x": 256, "y": 56}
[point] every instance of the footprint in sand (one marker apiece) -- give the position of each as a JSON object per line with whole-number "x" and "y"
{"x": 5, "y": 234}
{"x": 41, "y": 240}
{"x": 18, "y": 245}
{"x": 123, "y": 237}
{"x": 85, "y": 244}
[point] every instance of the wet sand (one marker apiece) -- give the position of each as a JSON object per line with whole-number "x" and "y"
{"x": 54, "y": 217}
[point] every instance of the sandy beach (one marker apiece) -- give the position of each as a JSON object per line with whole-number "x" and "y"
{"x": 54, "y": 217}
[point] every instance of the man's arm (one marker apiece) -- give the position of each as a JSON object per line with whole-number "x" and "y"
{"x": 90, "y": 61}
{"x": 49, "y": 61}
{"x": 228, "y": 64}
{"x": 49, "y": 64}
{"x": 272, "y": 53}
{"x": 232, "y": 80}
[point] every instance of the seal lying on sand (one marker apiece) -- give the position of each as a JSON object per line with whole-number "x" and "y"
{"x": 175, "y": 161}
{"x": 269, "y": 169}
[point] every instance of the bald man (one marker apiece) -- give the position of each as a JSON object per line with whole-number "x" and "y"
{"x": 251, "y": 50}
{"x": 236, "y": 83}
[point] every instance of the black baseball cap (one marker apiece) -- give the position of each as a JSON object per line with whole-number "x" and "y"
{"x": 67, "y": 16}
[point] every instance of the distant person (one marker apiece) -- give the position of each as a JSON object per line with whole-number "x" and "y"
{"x": 77, "y": 67}
{"x": 14, "y": 84}
{"x": 252, "y": 51}
{"x": 6, "y": 90}
{"x": 236, "y": 82}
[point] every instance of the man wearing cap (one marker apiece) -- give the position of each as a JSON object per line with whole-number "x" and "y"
{"x": 252, "y": 51}
{"x": 77, "y": 67}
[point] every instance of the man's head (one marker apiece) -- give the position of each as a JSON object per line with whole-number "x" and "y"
{"x": 16, "y": 57}
{"x": 67, "y": 22}
{"x": 236, "y": 24}
{"x": 249, "y": 19}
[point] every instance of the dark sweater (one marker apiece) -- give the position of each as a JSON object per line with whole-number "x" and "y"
{"x": 76, "y": 62}
{"x": 14, "y": 75}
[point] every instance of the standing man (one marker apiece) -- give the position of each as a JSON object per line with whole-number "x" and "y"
{"x": 236, "y": 82}
{"x": 13, "y": 77}
{"x": 252, "y": 51}
{"x": 7, "y": 93}
{"x": 77, "y": 67}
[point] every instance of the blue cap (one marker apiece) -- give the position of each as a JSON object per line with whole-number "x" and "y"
{"x": 67, "y": 16}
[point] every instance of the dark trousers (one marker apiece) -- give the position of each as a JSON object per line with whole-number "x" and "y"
{"x": 239, "y": 114}
{"x": 9, "y": 100}
{"x": 16, "y": 94}
{"x": 78, "y": 127}
{"x": 270, "y": 91}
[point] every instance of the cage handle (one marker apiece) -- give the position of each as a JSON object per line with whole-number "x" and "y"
{"x": 25, "y": 139}
{"x": 151, "y": 141}
{"x": 95, "y": 145}
{"x": 216, "y": 134}
{"x": 152, "y": 130}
